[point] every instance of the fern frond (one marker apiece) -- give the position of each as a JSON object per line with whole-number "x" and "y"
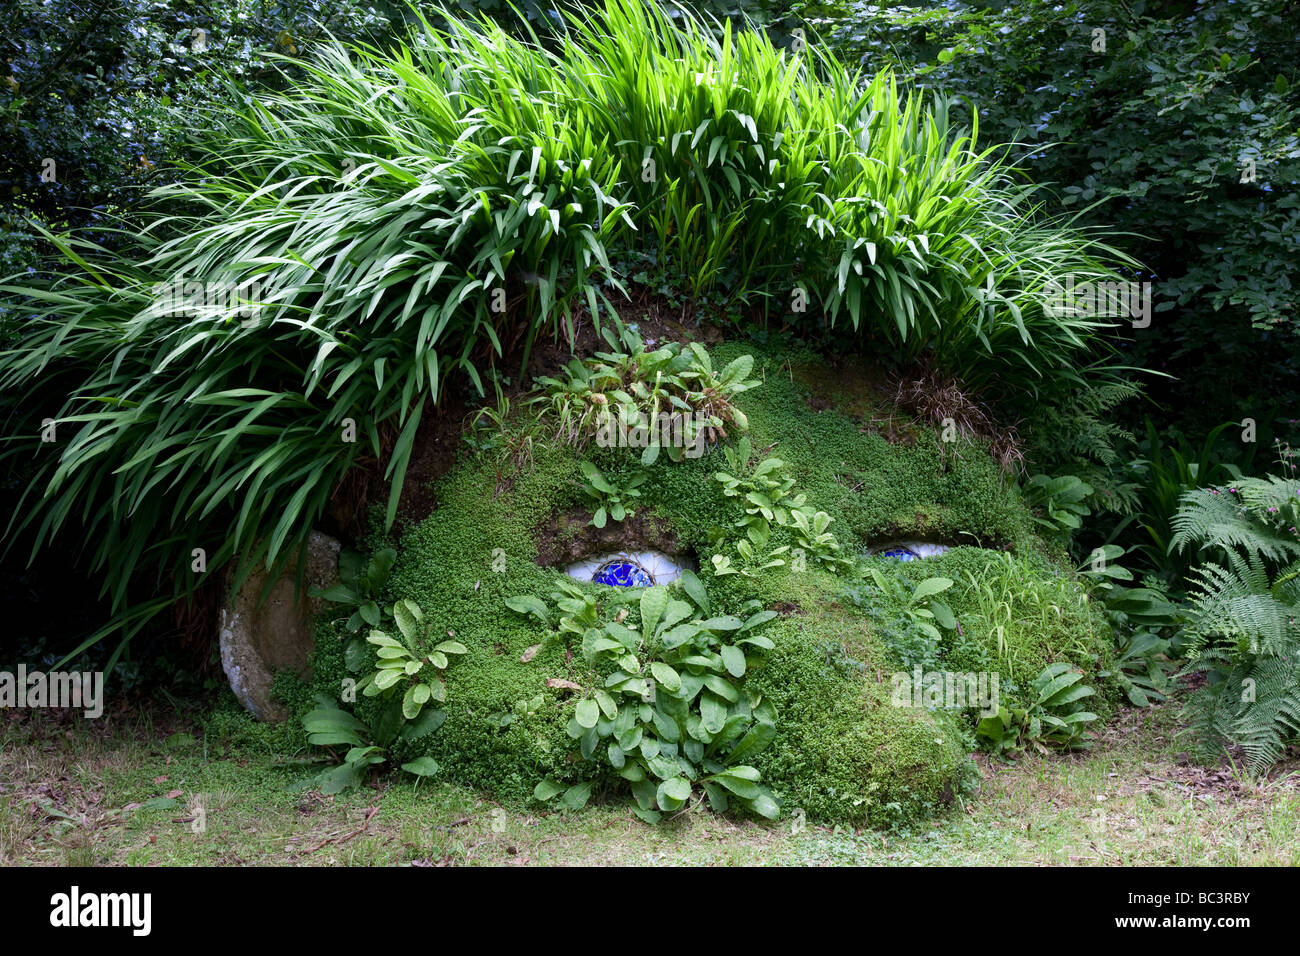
{"x": 1270, "y": 719}
{"x": 1239, "y": 519}
{"x": 1237, "y": 604}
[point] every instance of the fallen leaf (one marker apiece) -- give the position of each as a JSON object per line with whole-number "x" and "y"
{"x": 561, "y": 684}
{"x": 172, "y": 795}
{"x": 163, "y": 779}
{"x": 530, "y": 653}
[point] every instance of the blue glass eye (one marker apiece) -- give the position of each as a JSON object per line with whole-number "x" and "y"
{"x": 629, "y": 569}
{"x": 902, "y": 554}
{"x": 908, "y": 550}
{"x": 623, "y": 573}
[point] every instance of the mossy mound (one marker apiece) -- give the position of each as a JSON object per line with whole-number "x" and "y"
{"x": 843, "y": 751}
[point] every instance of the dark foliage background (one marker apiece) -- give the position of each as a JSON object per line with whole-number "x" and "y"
{"x": 1149, "y": 137}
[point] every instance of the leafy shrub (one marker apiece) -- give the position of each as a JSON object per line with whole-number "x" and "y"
{"x": 108, "y": 90}
{"x": 728, "y": 131}
{"x": 1165, "y": 471}
{"x": 1055, "y": 718}
{"x": 1058, "y": 503}
{"x": 1140, "y": 669}
{"x": 1079, "y": 433}
{"x": 611, "y": 500}
{"x": 361, "y": 582}
{"x": 668, "y": 700}
{"x": 768, "y": 497}
{"x": 406, "y": 676}
{"x": 1150, "y": 137}
{"x": 1142, "y": 619}
{"x": 904, "y": 618}
{"x": 636, "y": 388}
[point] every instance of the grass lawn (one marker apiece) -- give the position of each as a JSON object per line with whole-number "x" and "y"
{"x": 128, "y": 790}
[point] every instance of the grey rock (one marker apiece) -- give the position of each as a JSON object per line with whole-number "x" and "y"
{"x": 258, "y": 640}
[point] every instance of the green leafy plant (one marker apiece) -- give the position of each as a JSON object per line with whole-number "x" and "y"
{"x": 903, "y": 615}
{"x": 405, "y": 678}
{"x": 331, "y": 726}
{"x": 1055, "y": 719}
{"x": 1142, "y": 667}
{"x": 669, "y": 713}
{"x": 811, "y": 536}
{"x": 416, "y": 673}
{"x": 361, "y": 583}
{"x": 1059, "y": 504}
{"x": 578, "y": 610}
{"x": 768, "y": 497}
{"x": 766, "y": 492}
{"x": 610, "y": 500}
{"x": 639, "y": 390}
{"x": 1140, "y": 619}
{"x": 522, "y": 709}
{"x": 915, "y": 602}
{"x": 1242, "y": 632}
{"x": 1165, "y": 473}
{"x": 1080, "y": 433}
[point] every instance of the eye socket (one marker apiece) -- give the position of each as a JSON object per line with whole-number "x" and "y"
{"x": 623, "y": 569}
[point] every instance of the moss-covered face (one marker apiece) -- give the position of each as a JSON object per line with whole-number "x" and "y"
{"x": 848, "y": 747}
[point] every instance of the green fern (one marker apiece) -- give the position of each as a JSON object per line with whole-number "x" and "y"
{"x": 1254, "y": 516}
{"x": 1080, "y": 435}
{"x": 1243, "y": 630}
{"x": 1256, "y": 706}
{"x": 1240, "y": 606}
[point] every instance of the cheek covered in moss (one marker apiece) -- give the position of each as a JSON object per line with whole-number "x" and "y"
{"x": 845, "y": 753}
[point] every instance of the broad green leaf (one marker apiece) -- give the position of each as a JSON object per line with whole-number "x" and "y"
{"x": 576, "y": 797}
{"x": 653, "y": 602}
{"x": 930, "y": 586}
{"x": 695, "y": 589}
{"x": 588, "y": 713}
{"x": 673, "y": 794}
{"x": 668, "y": 678}
{"x": 422, "y": 767}
{"x": 733, "y": 658}
{"x": 528, "y": 604}
{"x": 547, "y": 789}
{"x": 406, "y": 621}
